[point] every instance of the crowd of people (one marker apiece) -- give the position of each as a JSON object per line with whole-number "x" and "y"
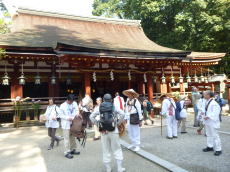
{"x": 110, "y": 113}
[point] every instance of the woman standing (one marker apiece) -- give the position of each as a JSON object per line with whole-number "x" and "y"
{"x": 133, "y": 117}
{"x": 52, "y": 114}
{"x": 183, "y": 113}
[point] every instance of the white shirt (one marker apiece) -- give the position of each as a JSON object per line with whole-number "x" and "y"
{"x": 52, "y": 111}
{"x": 213, "y": 112}
{"x": 165, "y": 106}
{"x": 68, "y": 110}
{"x": 131, "y": 109}
{"x": 201, "y": 108}
{"x": 116, "y": 102}
{"x": 183, "y": 112}
{"x": 86, "y": 101}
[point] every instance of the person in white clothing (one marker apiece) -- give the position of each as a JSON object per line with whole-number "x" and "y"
{"x": 183, "y": 113}
{"x": 97, "y": 134}
{"x": 109, "y": 131}
{"x": 69, "y": 110}
{"x": 87, "y": 106}
{"x": 201, "y": 111}
{"x": 212, "y": 123}
{"x": 119, "y": 102}
{"x": 168, "y": 110}
{"x": 134, "y": 118}
{"x": 52, "y": 114}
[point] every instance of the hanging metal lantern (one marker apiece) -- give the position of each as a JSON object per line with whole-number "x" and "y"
{"x": 68, "y": 81}
{"x": 206, "y": 79}
{"x": 196, "y": 79}
{"x": 53, "y": 80}
{"x": 172, "y": 79}
{"x": 154, "y": 79}
{"x": 181, "y": 79}
{"x": 163, "y": 79}
{"x": 188, "y": 78}
{"x": 201, "y": 78}
{"x": 37, "y": 80}
{"x": 22, "y": 79}
{"x": 6, "y": 79}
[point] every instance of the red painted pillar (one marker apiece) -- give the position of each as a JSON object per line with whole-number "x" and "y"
{"x": 150, "y": 87}
{"x": 15, "y": 88}
{"x": 87, "y": 84}
{"x": 169, "y": 87}
{"x": 213, "y": 87}
{"x": 163, "y": 88}
{"x": 182, "y": 89}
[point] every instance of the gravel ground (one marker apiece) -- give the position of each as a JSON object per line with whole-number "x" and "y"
{"x": 186, "y": 150}
{"x": 24, "y": 150}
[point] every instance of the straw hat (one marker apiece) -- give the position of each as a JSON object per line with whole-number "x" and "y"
{"x": 130, "y": 92}
{"x": 182, "y": 97}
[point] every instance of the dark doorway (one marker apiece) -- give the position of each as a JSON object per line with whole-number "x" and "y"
{"x": 35, "y": 91}
{"x": 4, "y": 92}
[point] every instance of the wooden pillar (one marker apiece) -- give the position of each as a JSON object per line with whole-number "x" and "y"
{"x": 212, "y": 87}
{"x": 169, "y": 87}
{"x": 150, "y": 87}
{"x": 182, "y": 89}
{"x": 15, "y": 88}
{"x": 87, "y": 84}
{"x": 163, "y": 88}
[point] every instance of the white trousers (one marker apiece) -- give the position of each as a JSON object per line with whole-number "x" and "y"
{"x": 134, "y": 134}
{"x": 97, "y": 134}
{"x": 111, "y": 144}
{"x": 69, "y": 141}
{"x": 213, "y": 139}
{"x": 171, "y": 126}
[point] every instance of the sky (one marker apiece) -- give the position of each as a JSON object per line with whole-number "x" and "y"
{"x": 76, "y": 7}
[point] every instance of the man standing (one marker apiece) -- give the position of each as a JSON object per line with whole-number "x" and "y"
{"x": 110, "y": 117}
{"x": 69, "y": 110}
{"x": 195, "y": 98}
{"x": 119, "y": 101}
{"x": 212, "y": 123}
{"x": 168, "y": 110}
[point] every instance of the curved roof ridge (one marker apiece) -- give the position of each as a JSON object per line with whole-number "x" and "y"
{"x": 42, "y": 12}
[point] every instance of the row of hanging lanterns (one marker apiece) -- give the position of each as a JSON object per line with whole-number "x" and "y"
{"x": 22, "y": 79}
{"x": 197, "y": 79}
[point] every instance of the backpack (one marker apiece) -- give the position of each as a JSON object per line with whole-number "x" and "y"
{"x": 77, "y": 129}
{"x": 178, "y": 110}
{"x": 107, "y": 118}
{"x": 149, "y": 106}
{"x": 220, "y": 101}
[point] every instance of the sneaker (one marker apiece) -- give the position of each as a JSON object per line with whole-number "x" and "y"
{"x": 175, "y": 137}
{"x": 207, "y": 149}
{"x": 74, "y": 152}
{"x": 121, "y": 170}
{"x": 69, "y": 156}
{"x": 169, "y": 137}
{"x": 217, "y": 153}
{"x": 137, "y": 148}
{"x": 183, "y": 132}
{"x": 130, "y": 147}
{"x": 50, "y": 147}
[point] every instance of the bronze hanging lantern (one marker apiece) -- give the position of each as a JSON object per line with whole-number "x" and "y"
{"x": 22, "y": 78}
{"x": 5, "y": 78}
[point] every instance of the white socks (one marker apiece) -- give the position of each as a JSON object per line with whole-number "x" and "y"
{"x": 107, "y": 167}
{"x": 119, "y": 166}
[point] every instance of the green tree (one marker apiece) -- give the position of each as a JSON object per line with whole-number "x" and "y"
{"x": 197, "y": 25}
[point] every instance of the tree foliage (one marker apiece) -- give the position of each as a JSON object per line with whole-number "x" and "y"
{"x": 197, "y": 25}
